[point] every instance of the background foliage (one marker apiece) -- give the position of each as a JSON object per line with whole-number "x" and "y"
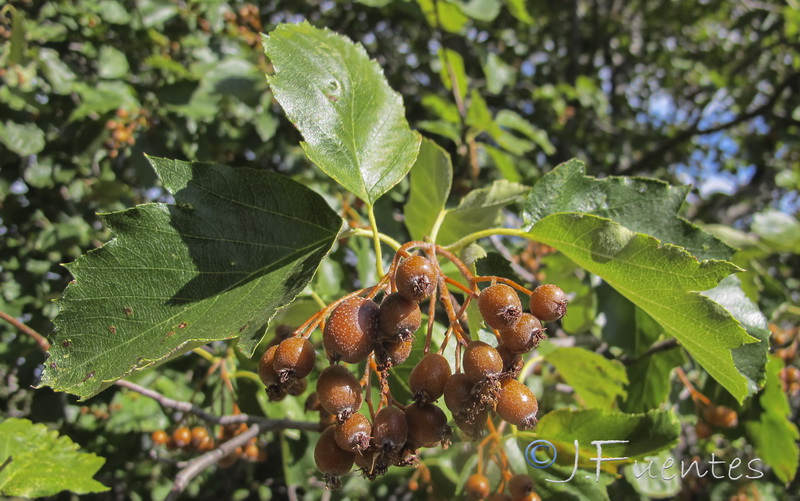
{"x": 688, "y": 92}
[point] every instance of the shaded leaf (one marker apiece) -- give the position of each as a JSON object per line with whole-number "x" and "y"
{"x": 451, "y": 61}
{"x": 780, "y": 230}
{"x": 237, "y": 245}
{"x": 24, "y": 140}
{"x": 431, "y": 178}
{"x": 353, "y": 123}
{"x": 663, "y": 280}
{"x": 596, "y": 380}
{"x": 38, "y": 462}
{"x": 446, "y": 16}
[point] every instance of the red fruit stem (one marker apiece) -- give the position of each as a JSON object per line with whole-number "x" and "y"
{"x": 506, "y": 281}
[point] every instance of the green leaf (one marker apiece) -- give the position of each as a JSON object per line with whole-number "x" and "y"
{"x": 517, "y": 9}
{"x": 237, "y": 245}
{"x": 479, "y": 209}
{"x": 56, "y": 71}
{"x": 773, "y": 435}
{"x": 23, "y": 140}
{"x": 480, "y": 10}
{"x": 431, "y": 177}
{"x": 564, "y": 486}
{"x": 514, "y": 121}
{"x": 750, "y": 359}
{"x": 353, "y": 123}
{"x": 451, "y": 60}
{"x": 504, "y": 162}
{"x": 446, "y": 16}
{"x": 597, "y": 381}
{"x": 498, "y": 73}
{"x": 37, "y": 462}
{"x": 112, "y": 63}
{"x": 641, "y": 205}
{"x": 645, "y": 433}
{"x": 657, "y": 477}
{"x": 649, "y": 381}
{"x": 663, "y": 280}
{"x": 780, "y": 230}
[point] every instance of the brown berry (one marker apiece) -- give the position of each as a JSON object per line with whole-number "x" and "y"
{"x": 524, "y": 336}
{"x": 182, "y": 437}
{"x": 351, "y": 330}
{"x": 517, "y": 405}
{"x": 721, "y": 416}
{"x": 500, "y": 306}
{"x": 457, "y": 392}
{"x": 390, "y": 428}
{"x": 703, "y": 430}
{"x": 294, "y": 358}
{"x": 428, "y": 378}
{"x": 512, "y": 362}
{"x": 477, "y": 486}
{"x": 481, "y": 361}
{"x": 353, "y": 434}
{"x": 415, "y": 278}
{"x": 427, "y": 426}
{"x": 199, "y": 435}
{"x": 399, "y": 318}
{"x": 339, "y": 391}
{"x": 371, "y": 463}
{"x": 266, "y": 370}
{"x": 331, "y": 459}
{"x": 520, "y": 485}
{"x": 500, "y": 496}
{"x": 296, "y": 387}
{"x": 548, "y": 303}
{"x": 389, "y": 354}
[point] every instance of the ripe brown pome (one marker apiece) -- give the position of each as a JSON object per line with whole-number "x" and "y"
{"x": 390, "y": 428}
{"x": 517, "y": 405}
{"x": 415, "y": 278}
{"x": 457, "y": 392}
{"x": 524, "y": 336}
{"x": 353, "y": 434}
{"x": 427, "y": 426}
{"x": 339, "y": 391}
{"x": 548, "y": 303}
{"x": 266, "y": 370}
{"x": 520, "y": 485}
{"x": 182, "y": 437}
{"x": 351, "y": 330}
{"x": 391, "y": 353}
{"x": 428, "y": 378}
{"x": 477, "y": 486}
{"x": 330, "y": 458}
{"x": 500, "y": 306}
{"x": 294, "y": 358}
{"x": 399, "y": 318}
{"x": 481, "y": 361}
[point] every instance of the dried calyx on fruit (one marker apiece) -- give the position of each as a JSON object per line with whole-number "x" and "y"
{"x": 378, "y": 325}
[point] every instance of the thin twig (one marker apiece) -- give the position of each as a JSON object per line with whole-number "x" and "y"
{"x": 658, "y": 347}
{"x": 43, "y": 343}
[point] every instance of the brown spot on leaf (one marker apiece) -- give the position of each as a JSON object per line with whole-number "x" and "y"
{"x": 332, "y": 98}
{"x": 183, "y": 325}
{"x": 128, "y": 310}
{"x": 66, "y": 344}
{"x": 88, "y": 376}
{"x": 112, "y": 329}
{"x": 53, "y": 365}
{"x": 243, "y": 327}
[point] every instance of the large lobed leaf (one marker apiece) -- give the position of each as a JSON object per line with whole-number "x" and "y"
{"x": 664, "y": 280}
{"x": 237, "y": 245}
{"x": 353, "y": 123}
{"x": 37, "y": 462}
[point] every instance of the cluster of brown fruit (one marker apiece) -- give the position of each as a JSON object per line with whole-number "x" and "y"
{"x": 520, "y": 488}
{"x": 198, "y": 439}
{"x": 355, "y": 328}
{"x": 123, "y": 128}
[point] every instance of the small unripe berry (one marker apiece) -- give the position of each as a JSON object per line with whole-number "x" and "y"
{"x": 481, "y": 361}
{"x": 330, "y": 458}
{"x": 517, "y": 405}
{"x": 266, "y": 370}
{"x": 524, "y": 336}
{"x": 500, "y": 306}
{"x": 351, "y": 330}
{"x": 548, "y": 303}
{"x": 390, "y": 428}
{"x": 353, "y": 434}
{"x": 415, "y": 278}
{"x": 294, "y": 358}
{"x": 428, "y": 378}
{"x": 477, "y": 486}
{"x": 399, "y": 318}
{"x": 427, "y": 426}
{"x": 339, "y": 391}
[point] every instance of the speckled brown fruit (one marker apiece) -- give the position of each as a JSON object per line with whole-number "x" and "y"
{"x": 294, "y": 358}
{"x": 520, "y": 485}
{"x": 296, "y": 387}
{"x": 548, "y": 303}
{"x": 371, "y": 463}
{"x": 389, "y": 354}
{"x": 330, "y": 458}
{"x": 415, "y": 278}
{"x": 500, "y": 306}
{"x": 399, "y": 318}
{"x": 517, "y": 405}
{"x": 339, "y": 391}
{"x": 477, "y": 486}
{"x": 351, "y": 330}
{"x": 512, "y": 362}
{"x": 525, "y": 335}
{"x": 353, "y": 434}
{"x": 390, "y": 429}
{"x": 428, "y": 378}
{"x": 427, "y": 426}
{"x": 481, "y": 361}
{"x": 457, "y": 392}
{"x": 266, "y": 370}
